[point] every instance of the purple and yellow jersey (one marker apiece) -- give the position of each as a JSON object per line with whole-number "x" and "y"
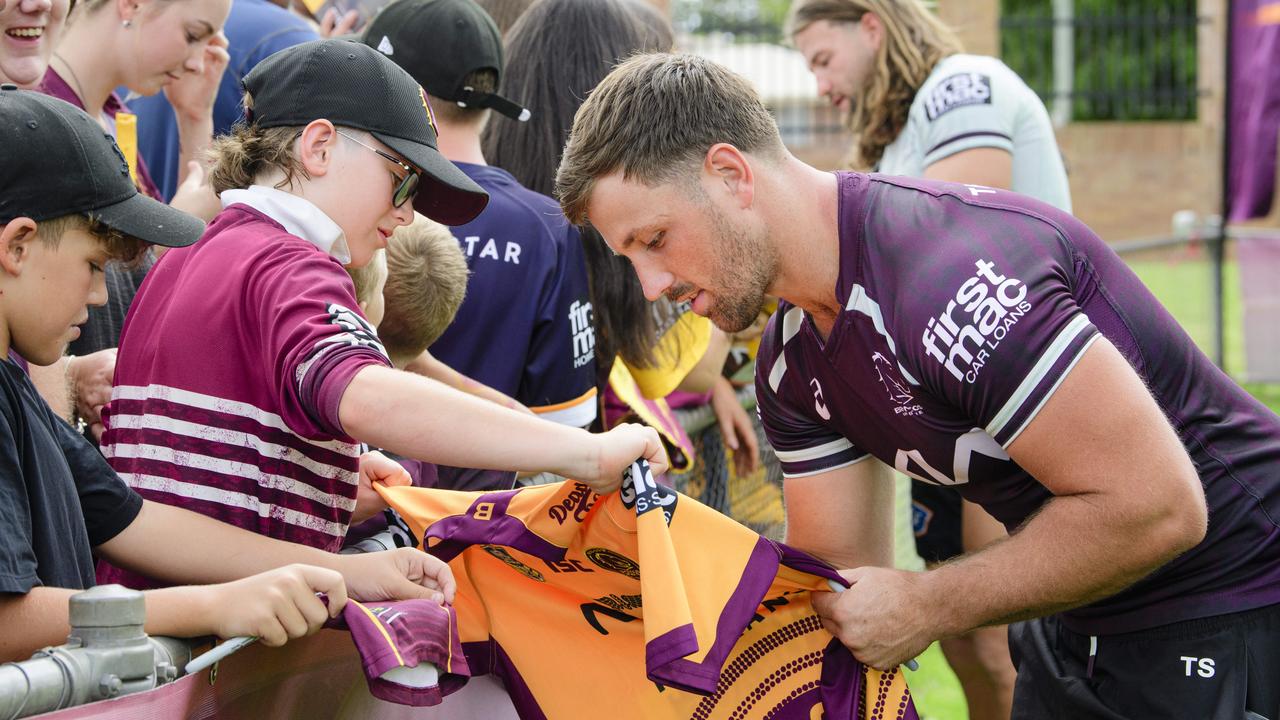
{"x": 964, "y": 309}
{"x": 640, "y": 604}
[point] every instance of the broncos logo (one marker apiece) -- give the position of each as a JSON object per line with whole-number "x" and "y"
{"x": 898, "y": 392}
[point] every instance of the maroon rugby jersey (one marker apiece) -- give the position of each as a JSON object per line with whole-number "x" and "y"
{"x": 232, "y": 364}
{"x": 964, "y": 308}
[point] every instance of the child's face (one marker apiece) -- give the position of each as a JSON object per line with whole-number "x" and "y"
{"x": 356, "y": 194}
{"x": 29, "y": 29}
{"x": 47, "y": 291}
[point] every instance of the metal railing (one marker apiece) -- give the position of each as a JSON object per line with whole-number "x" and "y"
{"x": 106, "y": 655}
{"x": 1116, "y": 61}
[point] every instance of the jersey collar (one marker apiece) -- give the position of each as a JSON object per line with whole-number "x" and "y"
{"x": 298, "y": 216}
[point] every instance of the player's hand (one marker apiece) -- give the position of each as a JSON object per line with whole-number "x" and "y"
{"x": 880, "y": 618}
{"x": 400, "y": 574}
{"x": 376, "y": 467}
{"x": 735, "y": 427}
{"x": 620, "y": 447}
{"x": 276, "y": 606}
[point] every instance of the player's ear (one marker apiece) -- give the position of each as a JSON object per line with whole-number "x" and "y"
{"x": 730, "y": 167}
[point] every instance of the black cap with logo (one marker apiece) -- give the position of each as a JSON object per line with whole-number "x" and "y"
{"x": 59, "y": 161}
{"x": 352, "y": 85}
{"x": 440, "y": 43}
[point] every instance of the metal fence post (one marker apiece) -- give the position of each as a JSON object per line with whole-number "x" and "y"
{"x": 1064, "y": 60}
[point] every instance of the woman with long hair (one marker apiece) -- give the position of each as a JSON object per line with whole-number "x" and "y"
{"x": 917, "y": 105}
{"x": 146, "y": 46}
{"x": 557, "y": 52}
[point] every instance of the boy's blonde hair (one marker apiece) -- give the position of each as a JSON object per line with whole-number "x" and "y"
{"x": 369, "y": 278}
{"x": 426, "y": 281}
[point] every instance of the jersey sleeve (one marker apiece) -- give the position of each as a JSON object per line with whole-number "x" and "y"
{"x": 311, "y": 337}
{"x": 560, "y": 369}
{"x": 964, "y": 110}
{"x": 803, "y": 444}
{"x": 992, "y": 324}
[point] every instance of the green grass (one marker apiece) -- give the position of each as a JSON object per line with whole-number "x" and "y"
{"x": 935, "y": 688}
{"x": 1183, "y": 282}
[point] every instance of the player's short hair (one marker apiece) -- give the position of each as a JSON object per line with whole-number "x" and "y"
{"x": 654, "y": 118}
{"x": 120, "y": 247}
{"x": 369, "y": 277}
{"x": 426, "y": 281}
{"x": 238, "y": 158}
{"x": 915, "y": 41}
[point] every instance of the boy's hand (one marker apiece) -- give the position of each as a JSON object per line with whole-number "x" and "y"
{"x": 195, "y": 196}
{"x": 376, "y": 467}
{"x": 400, "y": 574}
{"x": 276, "y": 606}
{"x": 620, "y": 447}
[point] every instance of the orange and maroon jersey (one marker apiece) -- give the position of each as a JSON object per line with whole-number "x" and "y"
{"x": 640, "y": 604}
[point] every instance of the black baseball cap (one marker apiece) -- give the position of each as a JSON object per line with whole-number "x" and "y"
{"x": 59, "y": 161}
{"x": 353, "y": 85}
{"x": 440, "y": 42}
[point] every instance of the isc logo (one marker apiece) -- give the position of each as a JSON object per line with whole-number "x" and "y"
{"x": 985, "y": 307}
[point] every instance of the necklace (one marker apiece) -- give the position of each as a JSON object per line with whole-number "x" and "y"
{"x": 74, "y": 79}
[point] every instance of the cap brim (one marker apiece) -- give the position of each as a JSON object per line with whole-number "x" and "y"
{"x": 445, "y": 194}
{"x": 151, "y": 221}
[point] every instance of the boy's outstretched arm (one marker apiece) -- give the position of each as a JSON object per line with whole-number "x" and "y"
{"x": 275, "y": 606}
{"x": 179, "y": 546}
{"x": 422, "y": 419}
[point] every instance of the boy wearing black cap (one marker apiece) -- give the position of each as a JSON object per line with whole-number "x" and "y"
{"x": 248, "y": 379}
{"x": 528, "y": 288}
{"x": 67, "y": 208}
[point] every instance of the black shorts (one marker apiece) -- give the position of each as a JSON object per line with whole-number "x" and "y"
{"x": 935, "y": 518}
{"x": 1219, "y": 668}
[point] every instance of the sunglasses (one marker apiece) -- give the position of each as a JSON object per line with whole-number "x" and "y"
{"x": 407, "y": 186}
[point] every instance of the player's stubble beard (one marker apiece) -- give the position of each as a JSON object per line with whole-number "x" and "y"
{"x": 746, "y": 264}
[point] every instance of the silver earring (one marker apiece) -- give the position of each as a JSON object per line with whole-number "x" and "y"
{"x": 126, "y": 24}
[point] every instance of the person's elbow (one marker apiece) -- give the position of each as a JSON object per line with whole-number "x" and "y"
{"x": 1181, "y": 519}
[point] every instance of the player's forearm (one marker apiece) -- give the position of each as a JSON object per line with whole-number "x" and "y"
{"x": 1077, "y": 550}
{"x": 422, "y": 419}
{"x": 33, "y": 620}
